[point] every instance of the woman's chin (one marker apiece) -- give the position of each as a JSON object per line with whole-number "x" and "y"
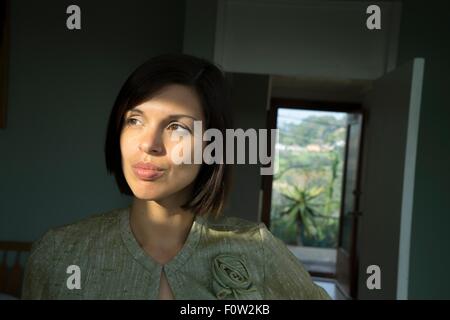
{"x": 147, "y": 195}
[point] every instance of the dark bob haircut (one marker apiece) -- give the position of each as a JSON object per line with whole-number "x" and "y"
{"x": 213, "y": 182}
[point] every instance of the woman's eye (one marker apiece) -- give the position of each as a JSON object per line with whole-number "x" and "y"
{"x": 131, "y": 121}
{"x": 177, "y": 127}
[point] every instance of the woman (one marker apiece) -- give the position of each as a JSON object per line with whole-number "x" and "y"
{"x": 171, "y": 243}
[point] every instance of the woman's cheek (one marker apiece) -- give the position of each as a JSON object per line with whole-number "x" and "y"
{"x": 127, "y": 143}
{"x": 182, "y": 149}
{"x": 186, "y": 173}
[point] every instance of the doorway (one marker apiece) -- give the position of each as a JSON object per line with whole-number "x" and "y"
{"x": 302, "y": 202}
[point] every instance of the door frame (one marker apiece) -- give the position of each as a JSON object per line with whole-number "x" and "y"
{"x": 271, "y": 121}
{"x": 353, "y": 266}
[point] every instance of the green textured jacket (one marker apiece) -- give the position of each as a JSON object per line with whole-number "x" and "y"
{"x": 227, "y": 258}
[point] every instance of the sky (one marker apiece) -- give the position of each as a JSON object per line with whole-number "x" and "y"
{"x": 296, "y": 115}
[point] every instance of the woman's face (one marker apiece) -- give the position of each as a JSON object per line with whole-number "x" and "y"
{"x": 146, "y": 138}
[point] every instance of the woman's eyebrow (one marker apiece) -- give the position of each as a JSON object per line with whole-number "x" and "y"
{"x": 172, "y": 116}
{"x": 176, "y": 116}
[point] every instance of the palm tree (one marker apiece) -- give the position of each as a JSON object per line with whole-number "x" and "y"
{"x": 302, "y": 210}
{"x": 334, "y": 164}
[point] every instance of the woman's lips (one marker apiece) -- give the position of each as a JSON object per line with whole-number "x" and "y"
{"x": 147, "y": 174}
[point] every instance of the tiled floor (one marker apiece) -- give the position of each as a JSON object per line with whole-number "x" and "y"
{"x": 330, "y": 287}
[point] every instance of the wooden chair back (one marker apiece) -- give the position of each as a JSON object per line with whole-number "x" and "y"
{"x": 11, "y": 277}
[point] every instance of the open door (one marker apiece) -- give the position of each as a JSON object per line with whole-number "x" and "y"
{"x": 346, "y": 259}
{"x": 380, "y": 214}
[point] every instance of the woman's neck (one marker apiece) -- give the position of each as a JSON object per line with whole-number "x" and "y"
{"x": 160, "y": 229}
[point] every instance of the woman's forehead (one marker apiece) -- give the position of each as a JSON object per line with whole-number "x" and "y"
{"x": 172, "y": 99}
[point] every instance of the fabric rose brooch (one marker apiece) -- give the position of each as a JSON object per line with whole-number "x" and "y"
{"x": 231, "y": 278}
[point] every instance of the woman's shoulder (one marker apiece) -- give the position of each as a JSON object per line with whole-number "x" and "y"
{"x": 232, "y": 224}
{"x": 231, "y": 229}
{"x": 92, "y": 221}
{"x": 60, "y": 246}
{"x": 93, "y": 226}
{"x": 234, "y": 230}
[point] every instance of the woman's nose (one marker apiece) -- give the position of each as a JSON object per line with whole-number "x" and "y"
{"x": 151, "y": 142}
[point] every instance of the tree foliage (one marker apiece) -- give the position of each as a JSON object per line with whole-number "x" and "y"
{"x": 307, "y": 188}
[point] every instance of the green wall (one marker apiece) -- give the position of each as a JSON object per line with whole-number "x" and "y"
{"x": 200, "y": 28}
{"x": 62, "y": 87}
{"x": 424, "y": 33}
